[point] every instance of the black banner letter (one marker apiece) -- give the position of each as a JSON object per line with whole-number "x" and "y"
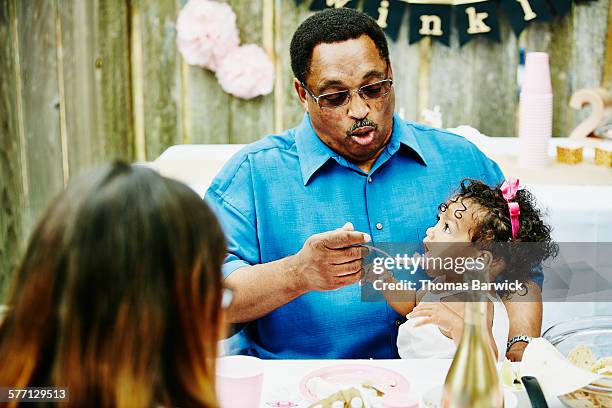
{"x": 477, "y": 19}
{"x": 430, "y": 20}
{"x": 522, "y": 12}
{"x": 321, "y": 4}
{"x": 387, "y": 13}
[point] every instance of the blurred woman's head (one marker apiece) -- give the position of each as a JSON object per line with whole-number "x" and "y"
{"x": 118, "y": 296}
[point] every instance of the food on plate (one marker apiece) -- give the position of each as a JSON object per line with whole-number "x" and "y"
{"x": 348, "y": 398}
{"x": 583, "y": 357}
{"x": 582, "y": 399}
{"x": 321, "y": 388}
{"x": 556, "y": 374}
{"x": 370, "y": 386}
{"x": 603, "y": 366}
{"x": 363, "y": 394}
{"x": 373, "y": 384}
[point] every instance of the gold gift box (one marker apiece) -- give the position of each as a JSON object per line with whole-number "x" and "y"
{"x": 603, "y": 155}
{"x": 569, "y": 154}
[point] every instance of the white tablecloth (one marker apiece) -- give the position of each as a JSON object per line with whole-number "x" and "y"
{"x": 282, "y": 377}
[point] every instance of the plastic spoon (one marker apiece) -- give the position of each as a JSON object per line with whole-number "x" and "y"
{"x": 534, "y": 391}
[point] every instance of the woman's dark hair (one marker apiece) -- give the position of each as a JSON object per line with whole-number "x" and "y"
{"x": 329, "y": 26}
{"x": 493, "y": 229}
{"x": 118, "y": 295}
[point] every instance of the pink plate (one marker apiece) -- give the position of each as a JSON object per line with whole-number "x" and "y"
{"x": 388, "y": 380}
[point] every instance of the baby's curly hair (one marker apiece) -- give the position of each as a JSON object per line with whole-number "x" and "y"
{"x": 493, "y": 229}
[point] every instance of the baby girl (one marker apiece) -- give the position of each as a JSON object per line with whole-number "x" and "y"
{"x": 492, "y": 225}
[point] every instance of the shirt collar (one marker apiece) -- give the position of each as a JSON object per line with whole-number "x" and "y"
{"x": 404, "y": 134}
{"x": 313, "y": 153}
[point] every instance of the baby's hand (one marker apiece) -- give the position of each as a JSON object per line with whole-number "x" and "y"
{"x": 440, "y": 314}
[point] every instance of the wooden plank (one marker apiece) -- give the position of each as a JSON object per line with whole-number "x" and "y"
{"x": 161, "y": 75}
{"x": 112, "y": 87}
{"x": 85, "y": 142}
{"x": 560, "y": 74}
{"x": 208, "y": 108}
{"x": 607, "y": 74}
{"x": 203, "y": 107}
{"x": 406, "y": 63}
{"x": 182, "y": 89}
{"x": 183, "y": 124}
{"x": 590, "y": 22}
{"x": 291, "y": 17}
{"x": 423, "y": 76}
{"x": 59, "y": 53}
{"x": 537, "y": 38}
{"x": 12, "y": 194}
{"x": 38, "y": 63}
{"x": 273, "y": 43}
{"x": 252, "y": 119}
{"x": 137, "y": 80}
{"x": 494, "y": 88}
{"x": 554, "y": 39}
{"x": 452, "y": 81}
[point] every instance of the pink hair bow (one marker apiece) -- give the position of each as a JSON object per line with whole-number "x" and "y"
{"x": 509, "y": 189}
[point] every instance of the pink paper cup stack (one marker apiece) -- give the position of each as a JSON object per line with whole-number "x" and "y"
{"x": 239, "y": 381}
{"x": 535, "y": 112}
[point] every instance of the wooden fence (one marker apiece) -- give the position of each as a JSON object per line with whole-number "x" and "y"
{"x": 82, "y": 82}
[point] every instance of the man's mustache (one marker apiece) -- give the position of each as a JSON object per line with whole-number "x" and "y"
{"x": 362, "y": 123}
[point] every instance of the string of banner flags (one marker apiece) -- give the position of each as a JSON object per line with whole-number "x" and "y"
{"x": 432, "y": 18}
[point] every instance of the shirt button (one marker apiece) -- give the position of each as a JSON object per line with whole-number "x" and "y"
{"x": 398, "y": 322}
{"x": 379, "y": 226}
{"x": 369, "y": 179}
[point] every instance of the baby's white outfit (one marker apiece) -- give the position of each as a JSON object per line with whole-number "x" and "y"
{"x": 428, "y": 342}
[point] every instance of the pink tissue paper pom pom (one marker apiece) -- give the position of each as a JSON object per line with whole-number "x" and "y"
{"x": 206, "y": 32}
{"x": 246, "y": 72}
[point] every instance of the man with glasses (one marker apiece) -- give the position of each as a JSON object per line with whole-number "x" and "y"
{"x": 296, "y": 207}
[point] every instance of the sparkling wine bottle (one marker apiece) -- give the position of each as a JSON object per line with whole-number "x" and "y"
{"x": 472, "y": 380}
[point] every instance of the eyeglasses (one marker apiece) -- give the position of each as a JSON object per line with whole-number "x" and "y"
{"x": 227, "y": 296}
{"x": 333, "y": 100}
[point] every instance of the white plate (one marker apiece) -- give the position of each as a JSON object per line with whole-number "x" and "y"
{"x": 432, "y": 398}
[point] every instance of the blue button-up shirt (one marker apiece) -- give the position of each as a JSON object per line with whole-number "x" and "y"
{"x": 275, "y": 193}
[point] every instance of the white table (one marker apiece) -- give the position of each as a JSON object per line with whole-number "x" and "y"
{"x": 198, "y": 164}
{"x": 282, "y": 377}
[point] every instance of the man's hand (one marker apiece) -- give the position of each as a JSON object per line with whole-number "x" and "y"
{"x": 330, "y": 260}
{"x": 525, "y": 314}
{"x": 327, "y": 261}
{"x": 516, "y": 351}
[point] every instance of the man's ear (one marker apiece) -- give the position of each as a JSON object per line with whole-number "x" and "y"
{"x": 301, "y": 93}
